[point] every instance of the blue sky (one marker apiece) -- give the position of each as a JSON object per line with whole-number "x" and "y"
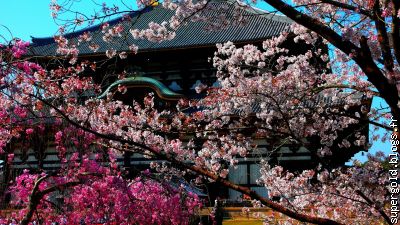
{"x": 27, "y": 18}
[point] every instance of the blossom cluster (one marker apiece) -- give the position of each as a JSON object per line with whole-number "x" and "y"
{"x": 344, "y": 194}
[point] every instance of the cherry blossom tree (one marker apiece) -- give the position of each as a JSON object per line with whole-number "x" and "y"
{"x": 363, "y": 60}
{"x": 95, "y": 188}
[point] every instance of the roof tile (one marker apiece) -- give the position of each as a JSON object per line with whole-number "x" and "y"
{"x": 192, "y": 34}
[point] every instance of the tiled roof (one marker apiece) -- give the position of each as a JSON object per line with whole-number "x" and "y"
{"x": 259, "y": 26}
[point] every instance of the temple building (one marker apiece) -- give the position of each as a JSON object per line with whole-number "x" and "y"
{"x": 172, "y": 69}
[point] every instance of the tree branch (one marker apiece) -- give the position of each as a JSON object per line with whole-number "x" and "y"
{"x": 361, "y": 55}
{"x": 200, "y": 171}
{"x": 348, "y": 7}
{"x": 370, "y": 202}
{"x": 396, "y": 29}
{"x": 383, "y": 38}
{"x": 34, "y": 201}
